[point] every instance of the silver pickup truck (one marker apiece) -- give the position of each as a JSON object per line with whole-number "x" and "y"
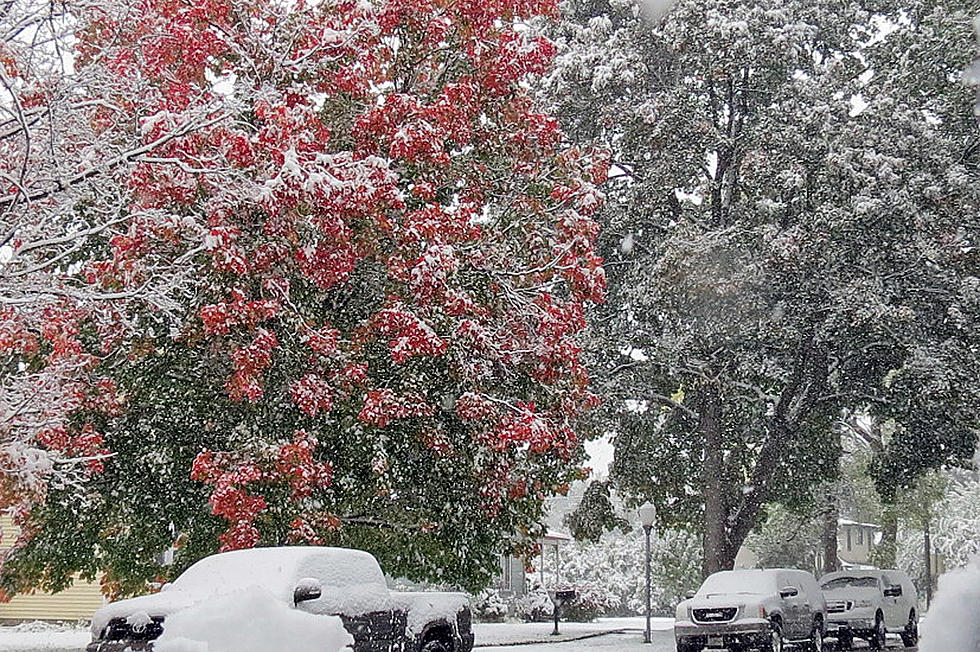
{"x": 320, "y": 581}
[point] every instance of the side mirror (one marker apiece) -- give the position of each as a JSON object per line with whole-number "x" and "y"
{"x": 893, "y": 591}
{"x": 690, "y": 595}
{"x": 307, "y": 589}
{"x": 789, "y": 592}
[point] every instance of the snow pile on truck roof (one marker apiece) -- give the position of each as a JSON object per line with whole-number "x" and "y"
{"x": 352, "y": 582}
{"x": 953, "y": 620}
{"x": 251, "y": 620}
{"x": 278, "y": 569}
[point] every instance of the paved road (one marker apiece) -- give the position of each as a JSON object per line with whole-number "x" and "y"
{"x": 633, "y": 642}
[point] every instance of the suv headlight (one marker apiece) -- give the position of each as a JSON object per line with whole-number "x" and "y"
{"x": 862, "y": 604}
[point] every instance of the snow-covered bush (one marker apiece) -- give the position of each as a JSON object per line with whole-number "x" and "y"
{"x": 614, "y": 571}
{"x": 251, "y": 620}
{"x": 953, "y": 620}
{"x": 534, "y": 606}
{"x": 590, "y": 602}
{"x": 488, "y": 606}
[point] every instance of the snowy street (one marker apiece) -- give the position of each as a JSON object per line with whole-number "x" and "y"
{"x": 627, "y": 636}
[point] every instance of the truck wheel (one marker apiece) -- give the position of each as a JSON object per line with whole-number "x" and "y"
{"x": 877, "y": 639}
{"x": 910, "y": 636}
{"x": 816, "y": 636}
{"x": 436, "y": 645}
{"x": 775, "y": 643}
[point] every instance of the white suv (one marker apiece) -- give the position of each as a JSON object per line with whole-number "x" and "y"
{"x": 757, "y": 609}
{"x": 870, "y": 604}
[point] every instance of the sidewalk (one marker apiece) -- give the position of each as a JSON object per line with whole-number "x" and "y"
{"x": 507, "y": 634}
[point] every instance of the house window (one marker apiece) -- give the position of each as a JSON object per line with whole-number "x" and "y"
{"x": 848, "y": 539}
{"x": 860, "y": 536}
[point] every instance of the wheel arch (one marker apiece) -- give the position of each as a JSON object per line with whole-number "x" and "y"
{"x": 438, "y": 630}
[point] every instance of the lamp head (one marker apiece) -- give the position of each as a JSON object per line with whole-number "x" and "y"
{"x": 648, "y": 514}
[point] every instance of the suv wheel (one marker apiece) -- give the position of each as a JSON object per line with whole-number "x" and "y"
{"x": 910, "y": 636}
{"x": 816, "y": 636}
{"x": 877, "y": 639}
{"x": 775, "y": 638}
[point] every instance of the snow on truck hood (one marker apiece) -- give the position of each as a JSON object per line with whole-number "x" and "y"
{"x": 352, "y": 582}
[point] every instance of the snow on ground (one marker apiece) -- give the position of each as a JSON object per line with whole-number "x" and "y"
{"x": 662, "y": 641}
{"x": 33, "y": 637}
{"x": 513, "y": 633}
{"x": 43, "y": 636}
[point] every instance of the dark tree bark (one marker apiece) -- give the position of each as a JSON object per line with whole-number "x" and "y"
{"x": 830, "y": 514}
{"x": 717, "y": 548}
{"x": 885, "y": 554}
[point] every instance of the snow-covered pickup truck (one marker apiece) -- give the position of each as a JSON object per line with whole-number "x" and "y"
{"x": 299, "y": 589}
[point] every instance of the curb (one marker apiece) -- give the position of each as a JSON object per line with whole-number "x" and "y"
{"x": 562, "y": 639}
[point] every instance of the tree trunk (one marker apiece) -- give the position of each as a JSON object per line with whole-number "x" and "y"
{"x": 828, "y": 536}
{"x": 717, "y": 554}
{"x": 886, "y": 553}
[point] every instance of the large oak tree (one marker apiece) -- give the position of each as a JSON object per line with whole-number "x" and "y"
{"x": 791, "y": 239}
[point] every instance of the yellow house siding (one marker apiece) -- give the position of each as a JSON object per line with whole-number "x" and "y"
{"x": 77, "y": 602}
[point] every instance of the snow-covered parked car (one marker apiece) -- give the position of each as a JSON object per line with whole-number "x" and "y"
{"x": 869, "y": 604}
{"x": 286, "y": 589}
{"x": 755, "y": 609}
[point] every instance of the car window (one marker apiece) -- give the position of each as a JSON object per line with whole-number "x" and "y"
{"x": 752, "y": 582}
{"x": 847, "y": 581}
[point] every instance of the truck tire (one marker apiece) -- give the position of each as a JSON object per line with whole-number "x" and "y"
{"x": 436, "y": 645}
{"x": 878, "y": 636}
{"x": 775, "y": 643}
{"x": 816, "y": 636}
{"x": 910, "y": 635}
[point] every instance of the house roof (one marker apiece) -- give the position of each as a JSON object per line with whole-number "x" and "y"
{"x": 847, "y": 521}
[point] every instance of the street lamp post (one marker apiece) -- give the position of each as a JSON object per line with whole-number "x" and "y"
{"x": 648, "y": 516}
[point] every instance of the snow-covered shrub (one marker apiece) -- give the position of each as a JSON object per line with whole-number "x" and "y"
{"x": 534, "y": 606}
{"x": 614, "y": 569}
{"x": 488, "y": 606}
{"x": 953, "y": 620}
{"x": 590, "y": 602}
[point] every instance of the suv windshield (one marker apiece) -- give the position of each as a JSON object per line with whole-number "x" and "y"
{"x": 739, "y": 582}
{"x": 850, "y": 582}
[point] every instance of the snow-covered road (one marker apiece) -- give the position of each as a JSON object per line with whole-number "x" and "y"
{"x": 504, "y": 637}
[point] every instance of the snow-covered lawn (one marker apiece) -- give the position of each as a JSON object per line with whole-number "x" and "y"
{"x": 491, "y": 634}
{"x": 42, "y": 636}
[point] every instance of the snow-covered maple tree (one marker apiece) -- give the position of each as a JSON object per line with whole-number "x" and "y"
{"x": 354, "y": 260}
{"x": 790, "y": 239}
